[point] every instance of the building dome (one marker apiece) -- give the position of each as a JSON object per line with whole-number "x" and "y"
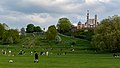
{"x": 79, "y": 23}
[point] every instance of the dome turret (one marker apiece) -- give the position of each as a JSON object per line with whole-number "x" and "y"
{"x": 79, "y": 23}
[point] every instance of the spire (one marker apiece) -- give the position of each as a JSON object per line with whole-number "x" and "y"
{"x": 87, "y": 14}
{"x": 95, "y": 20}
{"x": 87, "y": 17}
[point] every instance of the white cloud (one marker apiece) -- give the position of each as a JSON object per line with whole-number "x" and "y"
{"x": 11, "y": 18}
{"x": 18, "y": 13}
{"x": 40, "y": 18}
{"x": 90, "y": 1}
{"x": 47, "y": 2}
{"x": 106, "y": 1}
{"x": 96, "y": 1}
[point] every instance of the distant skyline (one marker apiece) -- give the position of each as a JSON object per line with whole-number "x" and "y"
{"x": 19, "y": 13}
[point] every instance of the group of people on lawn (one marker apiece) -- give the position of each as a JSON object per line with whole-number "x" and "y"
{"x": 22, "y": 52}
{"x": 116, "y": 56}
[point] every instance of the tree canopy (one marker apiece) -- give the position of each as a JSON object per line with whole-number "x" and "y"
{"x": 11, "y": 36}
{"x": 31, "y": 28}
{"x": 107, "y": 35}
{"x": 8, "y": 36}
{"x": 37, "y": 29}
{"x": 64, "y": 25}
{"x": 51, "y": 33}
{"x": 2, "y": 29}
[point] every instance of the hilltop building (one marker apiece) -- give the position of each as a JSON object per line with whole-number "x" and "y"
{"x": 80, "y": 25}
{"x": 90, "y": 23}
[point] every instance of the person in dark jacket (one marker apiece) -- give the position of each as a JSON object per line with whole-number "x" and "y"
{"x": 36, "y": 57}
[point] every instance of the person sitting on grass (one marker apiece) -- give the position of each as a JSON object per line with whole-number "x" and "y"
{"x": 36, "y": 57}
{"x": 114, "y": 55}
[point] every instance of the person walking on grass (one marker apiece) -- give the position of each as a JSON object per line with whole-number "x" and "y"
{"x": 36, "y": 57}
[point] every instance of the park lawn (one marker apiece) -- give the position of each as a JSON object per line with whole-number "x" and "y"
{"x": 82, "y": 57}
{"x": 61, "y": 61}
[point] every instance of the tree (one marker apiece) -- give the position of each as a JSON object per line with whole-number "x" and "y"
{"x": 2, "y": 29}
{"x": 9, "y": 40}
{"x": 30, "y": 28}
{"x": 23, "y": 31}
{"x": 11, "y": 36}
{"x": 107, "y": 35}
{"x": 37, "y": 29}
{"x": 64, "y": 25}
{"x": 83, "y": 34}
{"x": 51, "y": 33}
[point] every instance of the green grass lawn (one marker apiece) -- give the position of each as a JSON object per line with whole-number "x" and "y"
{"x": 61, "y": 61}
{"x": 82, "y": 57}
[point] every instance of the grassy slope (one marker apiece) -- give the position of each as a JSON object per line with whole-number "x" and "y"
{"x": 81, "y": 58}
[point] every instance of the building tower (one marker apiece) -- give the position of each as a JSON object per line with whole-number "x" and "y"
{"x": 87, "y": 17}
{"x": 95, "y": 20}
{"x": 79, "y": 25}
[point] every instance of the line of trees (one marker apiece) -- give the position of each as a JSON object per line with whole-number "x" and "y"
{"x": 63, "y": 26}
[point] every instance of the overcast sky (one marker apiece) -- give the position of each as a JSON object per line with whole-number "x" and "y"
{"x": 19, "y": 13}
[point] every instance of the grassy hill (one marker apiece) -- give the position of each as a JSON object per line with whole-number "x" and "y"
{"x": 81, "y": 57}
{"x": 65, "y": 44}
{"x": 34, "y": 42}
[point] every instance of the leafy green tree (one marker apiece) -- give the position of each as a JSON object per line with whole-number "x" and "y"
{"x": 64, "y": 25}
{"x": 83, "y": 34}
{"x": 11, "y": 36}
{"x": 107, "y": 35}
{"x": 9, "y": 40}
{"x": 51, "y": 33}
{"x": 2, "y": 29}
{"x": 37, "y": 29}
{"x": 30, "y": 28}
